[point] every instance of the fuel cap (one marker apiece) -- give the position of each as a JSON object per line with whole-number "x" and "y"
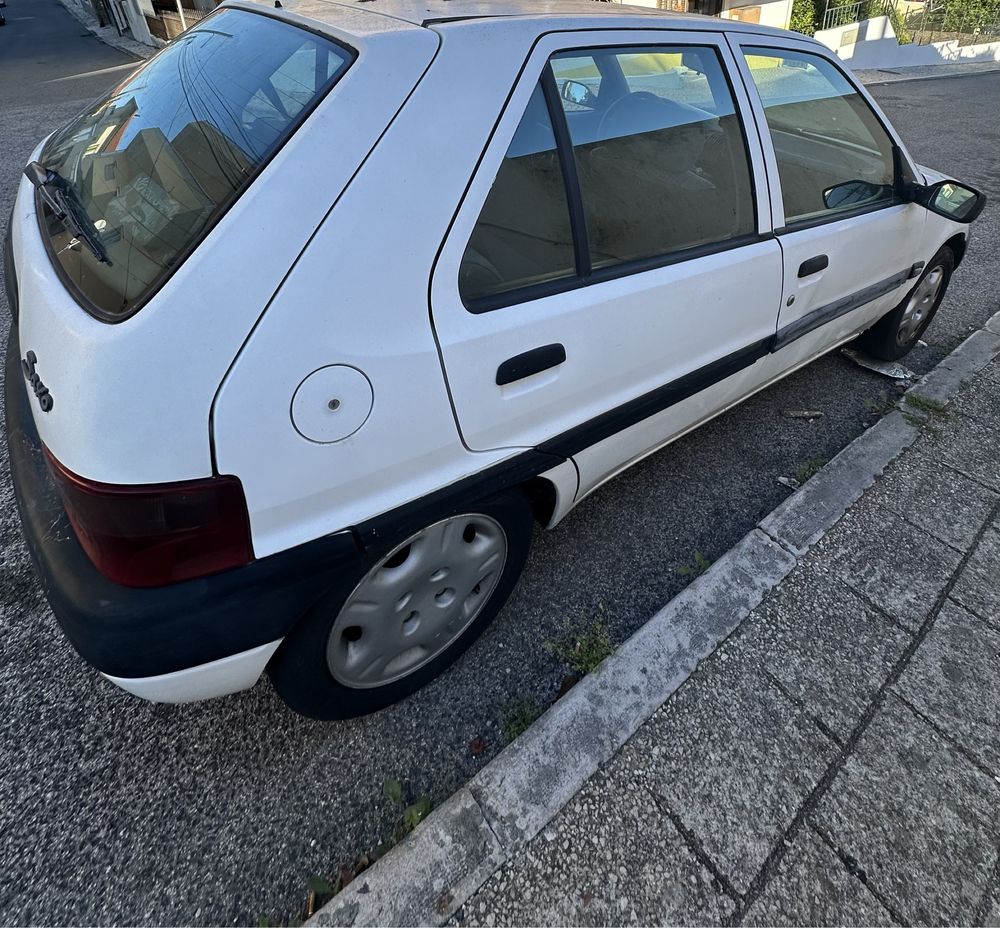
{"x": 332, "y": 403}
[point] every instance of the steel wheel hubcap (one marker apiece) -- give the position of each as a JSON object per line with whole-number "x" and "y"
{"x": 416, "y": 601}
{"x": 919, "y": 306}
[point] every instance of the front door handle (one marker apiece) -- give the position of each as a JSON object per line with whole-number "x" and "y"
{"x": 813, "y": 265}
{"x": 530, "y": 362}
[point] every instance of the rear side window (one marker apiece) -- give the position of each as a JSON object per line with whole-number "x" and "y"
{"x": 523, "y": 236}
{"x": 663, "y": 167}
{"x": 153, "y": 164}
{"x": 832, "y": 152}
{"x": 657, "y": 161}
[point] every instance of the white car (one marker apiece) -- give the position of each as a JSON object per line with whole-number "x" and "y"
{"x": 320, "y": 308}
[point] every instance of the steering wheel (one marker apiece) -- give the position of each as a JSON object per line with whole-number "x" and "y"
{"x": 641, "y": 101}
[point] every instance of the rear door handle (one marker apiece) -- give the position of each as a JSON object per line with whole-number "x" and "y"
{"x": 530, "y": 362}
{"x": 813, "y": 265}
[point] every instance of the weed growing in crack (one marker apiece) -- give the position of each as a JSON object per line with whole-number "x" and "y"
{"x": 809, "y": 469}
{"x": 517, "y": 716}
{"x": 695, "y": 569}
{"x": 926, "y": 405}
{"x": 582, "y": 647}
{"x": 881, "y": 406}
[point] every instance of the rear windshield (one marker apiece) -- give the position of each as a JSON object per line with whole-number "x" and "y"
{"x": 156, "y": 161}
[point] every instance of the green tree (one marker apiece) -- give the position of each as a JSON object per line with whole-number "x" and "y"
{"x": 969, "y": 15}
{"x": 804, "y": 16}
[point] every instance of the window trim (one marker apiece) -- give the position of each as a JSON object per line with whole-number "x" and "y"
{"x": 602, "y": 275}
{"x": 560, "y": 128}
{"x": 161, "y": 280}
{"x": 744, "y": 42}
{"x": 571, "y": 179}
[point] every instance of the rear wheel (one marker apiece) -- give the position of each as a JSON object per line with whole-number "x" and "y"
{"x": 897, "y": 332}
{"x": 409, "y": 617}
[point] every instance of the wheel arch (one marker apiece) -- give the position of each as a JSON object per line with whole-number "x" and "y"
{"x": 552, "y": 494}
{"x": 958, "y": 244}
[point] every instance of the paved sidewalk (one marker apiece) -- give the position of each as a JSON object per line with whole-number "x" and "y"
{"x": 837, "y": 760}
{"x": 82, "y": 11}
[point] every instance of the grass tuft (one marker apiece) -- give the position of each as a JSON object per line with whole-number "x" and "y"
{"x": 517, "y": 716}
{"x": 696, "y": 569}
{"x": 926, "y": 405}
{"x": 809, "y": 469}
{"x": 582, "y": 647}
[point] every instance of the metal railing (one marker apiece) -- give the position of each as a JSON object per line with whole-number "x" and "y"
{"x": 843, "y": 14}
{"x": 967, "y": 23}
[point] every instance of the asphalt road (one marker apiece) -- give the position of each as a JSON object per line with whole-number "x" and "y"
{"x": 116, "y": 811}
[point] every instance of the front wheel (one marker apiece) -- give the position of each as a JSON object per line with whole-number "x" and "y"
{"x": 409, "y": 617}
{"x": 897, "y": 332}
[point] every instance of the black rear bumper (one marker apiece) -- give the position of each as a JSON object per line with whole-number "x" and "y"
{"x": 128, "y": 632}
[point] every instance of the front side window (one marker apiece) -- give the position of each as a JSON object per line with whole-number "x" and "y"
{"x": 832, "y": 152}
{"x": 662, "y": 163}
{"x": 153, "y": 164}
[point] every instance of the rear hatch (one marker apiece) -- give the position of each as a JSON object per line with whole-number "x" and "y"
{"x": 164, "y": 217}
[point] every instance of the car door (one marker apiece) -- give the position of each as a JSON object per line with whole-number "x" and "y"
{"x": 850, "y": 245}
{"x": 612, "y": 257}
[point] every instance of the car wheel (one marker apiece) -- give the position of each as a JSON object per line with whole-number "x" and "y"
{"x": 411, "y": 615}
{"x": 897, "y": 332}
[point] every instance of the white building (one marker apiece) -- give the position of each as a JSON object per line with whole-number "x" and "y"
{"x": 767, "y": 12}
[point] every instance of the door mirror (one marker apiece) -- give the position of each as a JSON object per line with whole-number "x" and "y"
{"x": 851, "y": 193}
{"x": 575, "y": 92}
{"x": 952, "y": 200}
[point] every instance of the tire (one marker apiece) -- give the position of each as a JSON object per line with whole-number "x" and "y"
{"x": 898, "y": 331}
{"x": 333, "y": 664}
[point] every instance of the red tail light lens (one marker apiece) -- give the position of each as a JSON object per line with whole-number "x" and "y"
{"x": 155, "y": 534}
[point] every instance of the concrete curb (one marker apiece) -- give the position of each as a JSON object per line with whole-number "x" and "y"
{"x": 880, "y": 82}
{"x": 429, "y": 875}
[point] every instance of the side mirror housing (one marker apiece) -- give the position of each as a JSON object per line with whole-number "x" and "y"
{"x": 947, "y": 198}
{"x": 951, "y": 199}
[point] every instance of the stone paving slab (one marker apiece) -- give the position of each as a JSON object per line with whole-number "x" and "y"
{"x": 954, "y": 682}
{"x": 891, "y": 563}
{"x": 981, "y": 403}
{"x": 812, "y": 887}
{"x": 733, "y": 758}
{"x": 935, "y": 498}
{"x": 609, "y": 858}
{"x": 825, "y": 646}
{"x": 968, "y": 445}
{"x": 524, "y": 788}
{"x": 991, "y": 908}
{"x": 978, "y": 587}
{"x": 918, "y": 817}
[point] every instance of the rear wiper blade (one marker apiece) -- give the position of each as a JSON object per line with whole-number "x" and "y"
{"x": 66, "y": 205}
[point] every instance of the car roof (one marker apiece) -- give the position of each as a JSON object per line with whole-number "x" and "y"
{"x": 529, "y": 15}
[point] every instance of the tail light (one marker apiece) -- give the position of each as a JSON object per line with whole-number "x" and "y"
{"x": 155, "y": 534}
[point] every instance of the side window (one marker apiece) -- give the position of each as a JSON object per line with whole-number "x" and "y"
{"x": 658, "y": 72}
{"x": 662, "y": 162}
{"x": 832, "y": 152}
{"x": 578, "y": 81}
{"x": 523, "y": 235}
